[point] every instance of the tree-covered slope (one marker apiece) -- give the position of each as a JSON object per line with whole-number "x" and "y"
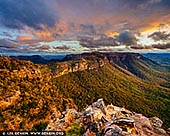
{"x": 27, "y": 98}
{"x": 117, "y": 87}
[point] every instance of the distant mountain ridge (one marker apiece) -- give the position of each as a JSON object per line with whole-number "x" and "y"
{"x": 135, "y": 63}
{"x": 38, "y": 59}
{"x": 161, "y": 58}
{"x": 132, "y": 62}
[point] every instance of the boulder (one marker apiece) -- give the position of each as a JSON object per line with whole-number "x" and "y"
{"x": 112, "y": 131}
{"x": 168, "y": 131}
{"x": 156, "y": 122}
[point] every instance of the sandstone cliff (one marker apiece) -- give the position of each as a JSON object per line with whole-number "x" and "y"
{"x": 81, "y": 64}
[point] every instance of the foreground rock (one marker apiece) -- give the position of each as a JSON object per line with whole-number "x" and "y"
{"x": 102, "y": 120}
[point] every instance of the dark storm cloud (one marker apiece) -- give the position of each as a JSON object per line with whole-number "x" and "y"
{"x": 7, "y": 43}
{"x": 88, "y": 29}
{"x": 86, "y": 42}
{"x": 63, "y": 47}
{"x": 140, "y": 47}
{"x": 157, "y": 36}
{"x": 104, "y": 49}
{"x": 43, "y": 48}
{"x": 16, "y": 13}
{"x": 127, "y": 38}
{"x": 162, "y": 46}
{"x": 102, "y": 41}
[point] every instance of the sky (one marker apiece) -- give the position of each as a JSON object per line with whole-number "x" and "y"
{"x": 75, "y": 26}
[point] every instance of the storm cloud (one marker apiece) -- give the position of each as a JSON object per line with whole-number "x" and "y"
{"x": 101, "y": 41}
{"x": 165, "y": 46}
{"x": 127, "y": 38}
{"x": 140, "y": 47}
{"x": 7, "y": 43}
{"x": 157, "y": 36}
{"x": 63, "y": 47}
{"x": 162, "y": 46}
{"x": 17, "y": 13}
{"x": 88, "y": 29}
{"x": 43, "y": 48}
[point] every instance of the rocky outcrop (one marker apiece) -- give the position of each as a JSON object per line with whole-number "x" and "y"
{"x": 157, "y": 124}
{"x": 101, "y": 120}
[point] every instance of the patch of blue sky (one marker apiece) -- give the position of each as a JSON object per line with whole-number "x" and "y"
{"x": 8, "y": 33}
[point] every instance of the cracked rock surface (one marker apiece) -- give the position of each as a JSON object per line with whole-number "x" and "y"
{"x": 101, "y": 120}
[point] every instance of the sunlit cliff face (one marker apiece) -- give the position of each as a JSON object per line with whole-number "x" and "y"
{"x": 78, "y": 26}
